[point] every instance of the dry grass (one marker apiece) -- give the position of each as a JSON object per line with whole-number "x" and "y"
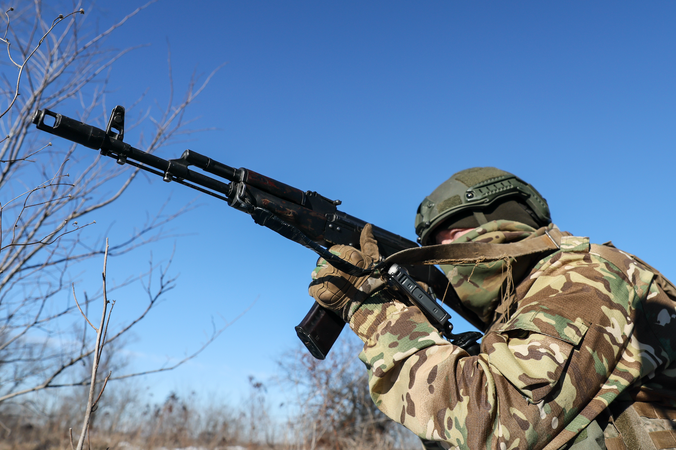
{"x": 327, "y": 408}
{"x": 179, "y": 422}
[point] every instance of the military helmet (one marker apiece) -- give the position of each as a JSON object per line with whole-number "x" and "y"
{"x": 476, "y": 196}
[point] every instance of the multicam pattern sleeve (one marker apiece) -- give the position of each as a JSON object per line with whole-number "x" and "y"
{"x": 577, "y": 341}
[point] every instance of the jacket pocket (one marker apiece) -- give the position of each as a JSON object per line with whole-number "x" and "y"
{"x": 532, "y": 350}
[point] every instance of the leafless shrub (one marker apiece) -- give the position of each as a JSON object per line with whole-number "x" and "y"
{"x": 333, "y": 408}
{"x": 54, "y": 62}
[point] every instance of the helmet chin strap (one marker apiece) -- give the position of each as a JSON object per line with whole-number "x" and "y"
{"x": 480, "y": 218}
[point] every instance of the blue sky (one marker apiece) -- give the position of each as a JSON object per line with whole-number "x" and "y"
{"x": 376, "y": 103}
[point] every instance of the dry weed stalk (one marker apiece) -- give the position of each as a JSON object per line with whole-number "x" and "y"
{"x": 101, "y": 332}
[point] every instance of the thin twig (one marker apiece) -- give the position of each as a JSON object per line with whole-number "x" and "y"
{"x": 22, "y": 66}
{"x": 82, "y": 312}
{"x": 25, "y": 158}
{"x": 105, "y": 382}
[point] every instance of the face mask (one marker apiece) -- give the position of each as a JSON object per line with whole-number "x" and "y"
{"x": 483, "y": 286}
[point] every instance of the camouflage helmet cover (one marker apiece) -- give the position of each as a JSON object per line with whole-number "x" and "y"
{"x": 472, "y": 192}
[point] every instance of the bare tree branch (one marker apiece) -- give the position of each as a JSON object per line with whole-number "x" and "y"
{"x": 21, "y": 66}
{"x": 54, "y": 193}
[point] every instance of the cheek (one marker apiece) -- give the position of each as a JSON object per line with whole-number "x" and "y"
{"x": 448, "y": 236}
{"x": 444, "y": 237}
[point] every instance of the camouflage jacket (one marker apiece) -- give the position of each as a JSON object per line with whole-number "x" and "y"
{"x": 592, "y": 324}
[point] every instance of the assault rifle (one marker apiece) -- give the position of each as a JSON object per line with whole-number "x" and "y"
{"x": 307, "y": 218}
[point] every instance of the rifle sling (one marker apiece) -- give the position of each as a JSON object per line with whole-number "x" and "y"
{"x": 472, "y": 252}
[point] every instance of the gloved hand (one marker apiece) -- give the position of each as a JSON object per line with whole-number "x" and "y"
{"x": 338, "y": 291}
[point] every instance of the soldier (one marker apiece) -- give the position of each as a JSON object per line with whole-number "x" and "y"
{"x": 579, "y": 350}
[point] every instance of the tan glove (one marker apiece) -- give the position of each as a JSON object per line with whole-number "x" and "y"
{"x": 339, "y": 291}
